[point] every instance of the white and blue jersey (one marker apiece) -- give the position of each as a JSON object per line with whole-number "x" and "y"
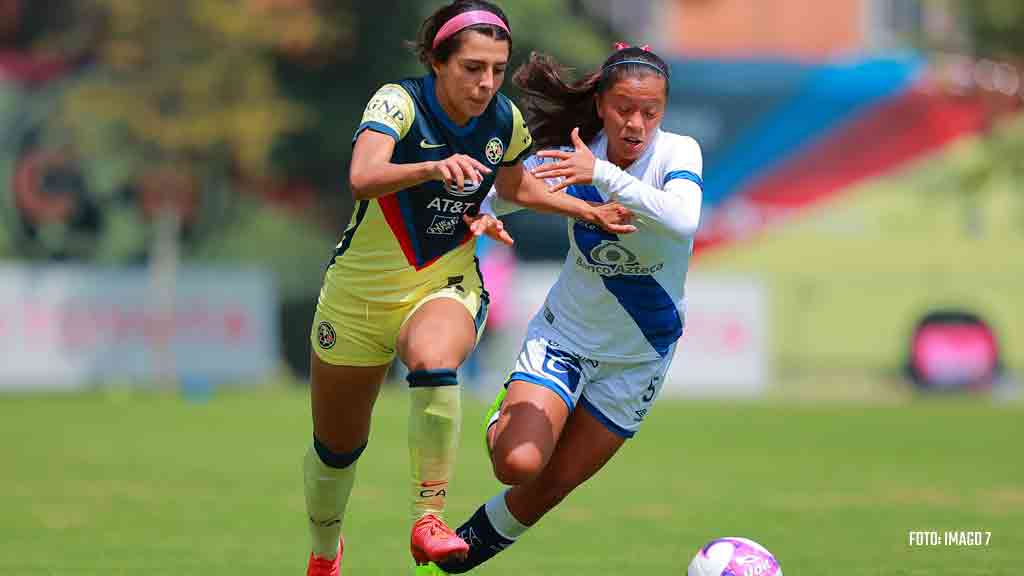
{"x": 608, "y": 328}
{"x": 622, "y": 297}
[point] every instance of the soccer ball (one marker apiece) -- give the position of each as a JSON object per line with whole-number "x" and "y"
{"x": 733, "y": 557}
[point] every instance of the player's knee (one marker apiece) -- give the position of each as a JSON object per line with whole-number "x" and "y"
{"x": 337, "y": 458}
{"x": 429, "y": 351}
{"x": 431, "y": 361}
{"x": 519, "y": 465}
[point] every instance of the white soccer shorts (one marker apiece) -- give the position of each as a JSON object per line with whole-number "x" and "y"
{"x": 618, "y": 394}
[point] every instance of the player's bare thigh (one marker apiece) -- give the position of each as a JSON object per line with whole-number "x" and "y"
{"x": 439, "y": 334}
{"x": 528, "y": 427}
{"x": 584, "y": 447}
{"x": 342, "y": 399}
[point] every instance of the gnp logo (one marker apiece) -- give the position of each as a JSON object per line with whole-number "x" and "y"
{"x": 612, "y": 259}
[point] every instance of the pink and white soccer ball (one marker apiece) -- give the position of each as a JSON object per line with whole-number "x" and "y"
{"x": 733, "y": 557}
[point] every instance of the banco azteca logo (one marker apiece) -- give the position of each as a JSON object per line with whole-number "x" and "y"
{"x": 612, "y": 254}
{"x": 326, "y": 336}
{"x": 613, "y": 259}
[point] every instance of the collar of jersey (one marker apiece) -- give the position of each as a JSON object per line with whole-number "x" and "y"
{"x": 438, "y": 112}
{"x": 600, "y": 149}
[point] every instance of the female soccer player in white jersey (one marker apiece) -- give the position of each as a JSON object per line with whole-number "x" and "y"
{"x": 596, "y": 353}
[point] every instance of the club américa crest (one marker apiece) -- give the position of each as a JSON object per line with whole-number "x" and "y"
{"x": 326, "y": 336}
{"x": 494, "y": 150}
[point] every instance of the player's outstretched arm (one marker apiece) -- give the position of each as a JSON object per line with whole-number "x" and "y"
{"x": 372, "y": 174}
{"x": 515, "y": 184}
{"x": 673, "y": 210}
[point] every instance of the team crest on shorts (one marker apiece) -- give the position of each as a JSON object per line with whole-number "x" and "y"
{"x": 494, "y": 150}
{"x": 326, "y": 336}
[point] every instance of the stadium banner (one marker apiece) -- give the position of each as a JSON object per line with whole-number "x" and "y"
{"x": 724, "y": 352}
{"x": 67, "y": 327}
{"x": 725, "y": 349}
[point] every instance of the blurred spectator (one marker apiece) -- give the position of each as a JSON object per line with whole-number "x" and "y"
{"x": 43, "y": 39}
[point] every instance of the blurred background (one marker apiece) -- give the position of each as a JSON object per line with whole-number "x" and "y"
{"x": 174, "y": 178}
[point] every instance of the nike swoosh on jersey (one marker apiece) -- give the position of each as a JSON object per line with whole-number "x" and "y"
{"x": 428, "y": 145}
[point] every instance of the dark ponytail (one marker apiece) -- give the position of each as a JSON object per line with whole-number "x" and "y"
{"x": 553, "y": 106}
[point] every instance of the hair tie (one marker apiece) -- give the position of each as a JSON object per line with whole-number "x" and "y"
{"x": 465, "y": 20}
{"x": 623, "y": 45}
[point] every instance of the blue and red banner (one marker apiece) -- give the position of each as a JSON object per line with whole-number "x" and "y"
{"x": 779, "y": 136}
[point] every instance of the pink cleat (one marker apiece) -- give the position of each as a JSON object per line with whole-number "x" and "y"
{"x": 320, "y": 566}
{"x": 434, "y": 541}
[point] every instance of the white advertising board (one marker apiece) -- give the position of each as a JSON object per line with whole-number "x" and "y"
{"x": 63, "y": 327}
{"x": 725, "y": 348}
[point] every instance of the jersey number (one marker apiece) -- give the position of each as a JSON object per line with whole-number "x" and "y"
{"x": 652, "y": 389}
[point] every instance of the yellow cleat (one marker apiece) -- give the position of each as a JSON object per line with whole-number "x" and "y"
{"x": 429, "y": 569}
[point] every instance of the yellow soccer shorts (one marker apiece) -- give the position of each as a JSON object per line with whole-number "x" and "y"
{"x": 351, "y": 328}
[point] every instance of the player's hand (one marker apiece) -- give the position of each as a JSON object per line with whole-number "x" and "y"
{"x": 576, "y": 167}
{"x": 485, "y": 224}
{"x": 455, "y": 170}
{"x": 613, "y": 217}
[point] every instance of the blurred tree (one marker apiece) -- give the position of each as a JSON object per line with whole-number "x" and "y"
{"x": 185, "y": 92}
{"x": 995, "y": 29}
{"x": 191, "y": 81}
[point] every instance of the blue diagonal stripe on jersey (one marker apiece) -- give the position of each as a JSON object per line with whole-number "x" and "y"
{"x": 646, "y": 302}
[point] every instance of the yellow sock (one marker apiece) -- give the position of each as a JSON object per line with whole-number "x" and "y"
{"x": 328, "y": 482}
{"x": 435, "y": 417}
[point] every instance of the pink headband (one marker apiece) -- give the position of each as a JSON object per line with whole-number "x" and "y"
{"x": 465, "y": 20}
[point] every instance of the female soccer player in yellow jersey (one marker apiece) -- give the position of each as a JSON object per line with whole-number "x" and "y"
{"x": 403, "y": 279}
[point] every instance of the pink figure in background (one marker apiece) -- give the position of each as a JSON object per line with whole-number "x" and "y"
{"x": 497, "y": 265}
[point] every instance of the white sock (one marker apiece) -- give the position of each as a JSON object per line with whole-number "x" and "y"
{"x": 502, "y": 519}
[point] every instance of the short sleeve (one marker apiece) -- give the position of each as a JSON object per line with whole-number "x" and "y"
{"x": 391, "y": 111}
{"x": 521, "y": 140}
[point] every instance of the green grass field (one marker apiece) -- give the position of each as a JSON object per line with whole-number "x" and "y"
{"x": 145, "y": 483}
